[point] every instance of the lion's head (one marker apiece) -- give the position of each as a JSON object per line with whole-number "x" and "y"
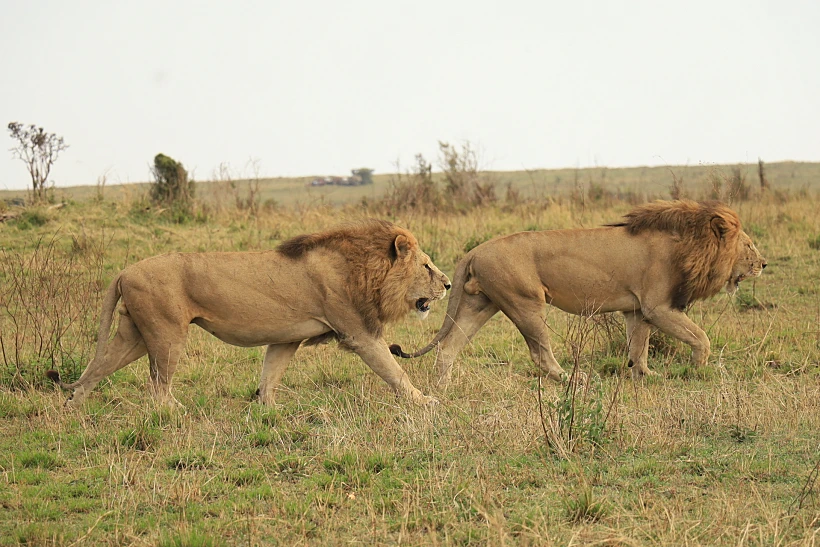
{"x": 711, "y": 249}
{"x": 413, "y": 278}
{"x": 749, "y": 263}
{"x": 389, "y": 274}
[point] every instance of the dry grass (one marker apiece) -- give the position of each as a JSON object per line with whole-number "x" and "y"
{"x": 717, "y": 456}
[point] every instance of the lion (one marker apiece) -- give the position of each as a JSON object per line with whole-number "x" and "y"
{"x": 651, "y": 266}
{"x": 344, "y": 283}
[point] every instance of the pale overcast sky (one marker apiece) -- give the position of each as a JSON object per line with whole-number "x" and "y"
{"x": 321, "y": 87}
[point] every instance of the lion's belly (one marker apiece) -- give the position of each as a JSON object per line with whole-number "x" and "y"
{"x": 592, "y": 304}
{"x": 589, "y": 294}
{"x": 249, "y": 335}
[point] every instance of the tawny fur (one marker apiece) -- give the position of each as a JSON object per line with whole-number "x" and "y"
{"x": 705, "y": 236}
{"x": 650, "y": 267}
{"x": 377, "y": 287}
{"x": 343, "y": 283}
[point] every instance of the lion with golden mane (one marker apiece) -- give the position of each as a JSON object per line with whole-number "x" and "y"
{"x": 344, "y": 283}
{"x": 662, "y": 257}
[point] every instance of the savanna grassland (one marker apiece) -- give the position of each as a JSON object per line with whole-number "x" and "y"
{"x": 727, "y": 454}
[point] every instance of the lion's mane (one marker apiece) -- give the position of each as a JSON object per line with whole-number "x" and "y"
{"x": 706, "y": 236}
{"x": 378, "y": 280}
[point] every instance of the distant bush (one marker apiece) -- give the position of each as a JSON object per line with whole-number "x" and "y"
{"x": 172, "y": 188}
{"x": 464, "y": 186}
{"x": 364, "y": 173}
{"x": 31, "y": 218}
{"x": 38, "y": 150}
{"x": 414, "y": 190}
{"x": 728, "y": 188}
{"x": 465, "y": 183}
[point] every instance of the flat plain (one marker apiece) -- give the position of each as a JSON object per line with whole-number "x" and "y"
{"x": 726, "y": 454}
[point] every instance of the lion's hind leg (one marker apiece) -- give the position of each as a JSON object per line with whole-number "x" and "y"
{"x": 276, "y": 361}
{"x": 637, "y": 337}
{"x": 473, "y": 312}
{"x": 530, "y": 318}
{"x": 126, "y": 347}
{"x": 165, "y": 345}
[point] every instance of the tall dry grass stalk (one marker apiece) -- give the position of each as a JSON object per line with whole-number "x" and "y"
{"x": 581, "y": 414}
{"x": 48, "y": 300}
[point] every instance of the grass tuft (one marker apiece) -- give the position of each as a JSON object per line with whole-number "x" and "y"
{"x": 39, "y": 460}
{"x": 188, "y": 461}
{"x": 140, "y": 438}
{"x": 584, "y": 507}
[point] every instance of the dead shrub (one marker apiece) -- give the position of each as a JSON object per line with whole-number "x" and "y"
{"x": 464, "y": 182}
{"x": 414, "y": 190}
{"x": 48, "y": 301}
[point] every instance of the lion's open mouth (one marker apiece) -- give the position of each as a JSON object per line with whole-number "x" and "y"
{"x": 732, "y": 284}
{"x": 423, "y": 305}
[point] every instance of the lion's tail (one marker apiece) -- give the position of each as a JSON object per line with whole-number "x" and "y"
{"x": 110, "y": 299}
{"x": 459, "y": 279}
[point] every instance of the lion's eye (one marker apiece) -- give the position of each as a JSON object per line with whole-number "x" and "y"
{"x": 428, "y": 267}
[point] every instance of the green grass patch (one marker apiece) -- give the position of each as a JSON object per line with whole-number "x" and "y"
{"x": 40, "y": 460}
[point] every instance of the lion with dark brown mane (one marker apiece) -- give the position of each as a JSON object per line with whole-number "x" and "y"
{"x": 344, "y": 283}
{"x": 662, "y": 257}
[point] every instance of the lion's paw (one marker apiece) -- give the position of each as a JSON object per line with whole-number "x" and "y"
{"x": 580, "y": 378}
{"x": 72, "y": 404}
{"x": 170, "y": 402}
{"x": 425, "y": 400}
{"x": 638, "y": 375}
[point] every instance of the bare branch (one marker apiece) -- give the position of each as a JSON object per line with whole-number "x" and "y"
{"x": 39, "y": 151}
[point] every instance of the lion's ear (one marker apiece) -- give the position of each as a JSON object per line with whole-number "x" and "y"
{"x": 402, "y": 245}
{"x": 719, "y": 226}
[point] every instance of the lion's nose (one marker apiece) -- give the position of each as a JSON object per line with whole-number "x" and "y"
{"x": 764, "y": 265}
{"x": 447, "y": 284}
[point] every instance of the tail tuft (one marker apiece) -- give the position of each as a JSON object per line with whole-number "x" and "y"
{"x": 54, "y": 376}
{"x": 396, "y": 350}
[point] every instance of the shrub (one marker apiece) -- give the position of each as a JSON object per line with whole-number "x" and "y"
{"x": 48, "y": 300}
{"x": 38, "y": 150}
{"x": 31, "y": 218}
{"x": 728, "y": 188}
{"x": 364, "y": 173}
{"x": 464, "y": 187}
{"x": 580, "y": 415}
{"x": 465, "y": 183}
{"x": 171, "y": 187}
{"x": 414, "y": 190}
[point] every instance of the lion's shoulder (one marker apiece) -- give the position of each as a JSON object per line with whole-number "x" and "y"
{"x": 704, "y": 243}
{"x": 368, "y": 251}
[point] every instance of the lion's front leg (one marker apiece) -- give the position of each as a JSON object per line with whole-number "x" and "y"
{"x": 637, "y": 337}
{"x": 676, "y": 324}
{"x": 376, "y": 354}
